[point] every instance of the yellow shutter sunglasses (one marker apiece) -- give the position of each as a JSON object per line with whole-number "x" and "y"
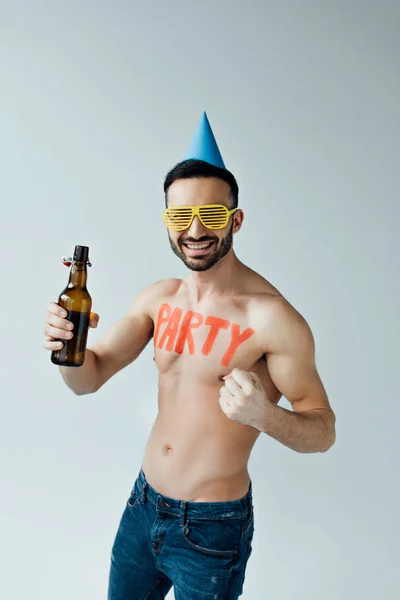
{"x": 212, "y": 216}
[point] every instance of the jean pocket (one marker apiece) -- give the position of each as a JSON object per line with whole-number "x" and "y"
{"x": 215, "y": 537}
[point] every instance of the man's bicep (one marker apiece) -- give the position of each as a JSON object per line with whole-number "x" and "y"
{"x": 124, "y": 341}
{"x": 291, "y": 363}
{"x": 298, "y": 381}
{"x": 121, "y": 345}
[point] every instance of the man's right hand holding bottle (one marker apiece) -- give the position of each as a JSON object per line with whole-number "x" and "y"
{"x": 57, "y": 326}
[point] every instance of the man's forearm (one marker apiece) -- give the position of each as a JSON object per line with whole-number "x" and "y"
{"x": 82, "y": 380}
{"x": 310, "y": 431}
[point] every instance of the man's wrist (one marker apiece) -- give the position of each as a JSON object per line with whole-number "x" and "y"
{"x": 268, "y": 417}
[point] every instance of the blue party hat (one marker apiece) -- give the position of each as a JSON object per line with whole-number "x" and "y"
{"x": 203, "y": 145}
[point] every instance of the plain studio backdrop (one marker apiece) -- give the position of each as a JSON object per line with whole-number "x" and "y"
{"x": 98, "y": 101}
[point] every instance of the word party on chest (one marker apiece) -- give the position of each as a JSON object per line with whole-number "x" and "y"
{"x": 174, "y": 327}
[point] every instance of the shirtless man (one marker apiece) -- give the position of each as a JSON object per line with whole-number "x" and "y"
{"x": 227, "y": 346}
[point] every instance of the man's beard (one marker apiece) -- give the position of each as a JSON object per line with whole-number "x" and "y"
{"x": 203, "y": 263}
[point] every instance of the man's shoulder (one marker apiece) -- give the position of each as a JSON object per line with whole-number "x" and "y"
{"x": 163, "y": 287}
{"x": 281, "y": 324}
{"x": 273, "y": 311}
{"x": 152, "y": 293}
{"x": 257, "y": 287}
{"x": 275, "y": 306}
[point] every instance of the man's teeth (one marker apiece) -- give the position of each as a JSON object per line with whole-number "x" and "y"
{"x": 198, "y": 246}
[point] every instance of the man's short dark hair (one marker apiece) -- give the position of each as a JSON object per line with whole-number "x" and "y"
{"x": 199, "y": 168}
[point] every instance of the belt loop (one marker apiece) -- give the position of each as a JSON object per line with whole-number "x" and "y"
{"x": 143, "y": 495}
{"x": 182, "y": 513}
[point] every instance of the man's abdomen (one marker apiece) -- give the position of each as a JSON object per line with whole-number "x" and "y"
{"x": 194, "y": 451}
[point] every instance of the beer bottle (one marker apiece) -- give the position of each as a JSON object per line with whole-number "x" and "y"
{"x": 76, "y": 300}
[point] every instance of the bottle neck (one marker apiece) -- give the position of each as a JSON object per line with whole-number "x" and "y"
{"x": 78, "y": 275}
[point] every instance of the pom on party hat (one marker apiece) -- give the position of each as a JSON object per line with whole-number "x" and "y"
{"x": 203, "y": 145}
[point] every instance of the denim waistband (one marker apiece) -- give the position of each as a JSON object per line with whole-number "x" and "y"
{"x": 195, "y": 510}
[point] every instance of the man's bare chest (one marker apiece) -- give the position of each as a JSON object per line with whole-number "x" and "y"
{"x": 217, "y": 336}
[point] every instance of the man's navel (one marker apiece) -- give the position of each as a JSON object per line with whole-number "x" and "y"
{"x": 167, "y": 449}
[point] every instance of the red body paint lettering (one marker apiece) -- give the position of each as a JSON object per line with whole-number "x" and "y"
{"x": 237, "y": 339}
{"x": 178, "y": 331}
{"x": 185, "y": 333}
{"x": 171, "y": 330}
{"x": 164, "y": 313}
{"x": 216, "y": 324}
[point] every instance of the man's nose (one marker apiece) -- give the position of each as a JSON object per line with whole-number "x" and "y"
{"x": 196, "y": 229}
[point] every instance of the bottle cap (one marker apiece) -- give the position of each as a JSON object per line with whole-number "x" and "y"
{"x": 81, "y": 254}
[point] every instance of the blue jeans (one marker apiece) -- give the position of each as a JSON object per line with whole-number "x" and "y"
{"x": 200, "y": 548}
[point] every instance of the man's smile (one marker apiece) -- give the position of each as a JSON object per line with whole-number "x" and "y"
{"x": 198, "y": 248}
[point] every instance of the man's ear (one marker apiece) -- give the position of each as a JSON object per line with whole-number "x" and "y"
{"x": 238, "y": 217}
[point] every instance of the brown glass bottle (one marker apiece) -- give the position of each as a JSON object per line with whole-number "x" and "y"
{"x": 76, "y": 300}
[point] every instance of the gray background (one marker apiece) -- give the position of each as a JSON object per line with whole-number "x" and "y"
{"x": 98, "y": 100}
